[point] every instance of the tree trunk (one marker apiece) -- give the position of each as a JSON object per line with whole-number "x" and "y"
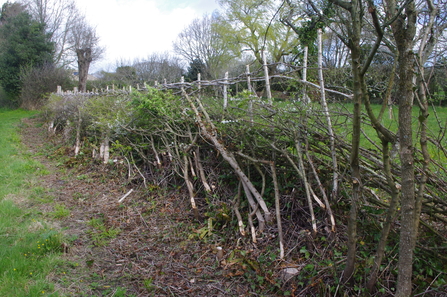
{"x": 407, "y": 233}
{"x": 404, "y": 30}
{"x": 355, "y": 11}
{"x": 84, "y": 60}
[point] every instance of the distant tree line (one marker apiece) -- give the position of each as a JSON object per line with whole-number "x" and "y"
{"x": 52, "y": 35}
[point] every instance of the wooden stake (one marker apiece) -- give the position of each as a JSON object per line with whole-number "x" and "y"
{"x": 267, "y": 78}
{"x": 251, "y": 90}
{"x": 183, "y": 81}
{"x": 306, "y": 98}
{"x": 225, "y": 92}
{"x": 328, "y": 117}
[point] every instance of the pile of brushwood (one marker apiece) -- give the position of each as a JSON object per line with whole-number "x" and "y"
{"x": 265, "y": 174}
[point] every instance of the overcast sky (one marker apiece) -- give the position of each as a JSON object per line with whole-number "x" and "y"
{"x": 137, "y": 28}
{"x": 132, "y": 29}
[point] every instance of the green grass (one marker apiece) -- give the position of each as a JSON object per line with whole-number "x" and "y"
{"x": 29, "y": 248}
{"x": 60, "y": 211}
{"x": 435, "y": 121}
{"x": 100, "y": 234}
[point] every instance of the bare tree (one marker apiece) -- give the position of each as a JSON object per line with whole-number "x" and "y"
{"x": 335, "y": 53}
{"x": 58, "y": 16}
{"x": 200, "y": 42}
{"x": 85, "y": 44}
{"x": 159, "y": 67}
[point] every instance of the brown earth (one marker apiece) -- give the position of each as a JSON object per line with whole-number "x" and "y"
{"x": 148, "y": 245}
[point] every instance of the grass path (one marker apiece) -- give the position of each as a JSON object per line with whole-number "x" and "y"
{"x": 29, "y": 247}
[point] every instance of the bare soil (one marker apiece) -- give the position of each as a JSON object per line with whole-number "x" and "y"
{"x": 160, "y": 249}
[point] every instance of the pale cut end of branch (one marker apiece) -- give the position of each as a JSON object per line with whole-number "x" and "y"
{"x": 320, "y": 203}
{"x": 332, "y": 223}
{"x": 219, "y": 254}
{"x": 124, "y": 197}
{"x": 253, "y": 234}
{"x": 193, "y": 203}
{"x": 77, "y": 149}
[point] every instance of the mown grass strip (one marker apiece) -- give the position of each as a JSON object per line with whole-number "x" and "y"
{"x": 28, "y": 247}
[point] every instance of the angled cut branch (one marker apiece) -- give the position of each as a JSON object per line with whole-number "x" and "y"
{"x": 208, "y": 131}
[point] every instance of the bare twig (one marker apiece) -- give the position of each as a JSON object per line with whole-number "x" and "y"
{"x": 124, "y": 197}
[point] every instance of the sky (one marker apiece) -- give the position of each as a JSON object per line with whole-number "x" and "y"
{"x": 130, "y": 29}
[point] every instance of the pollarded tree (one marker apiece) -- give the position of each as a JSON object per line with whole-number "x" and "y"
{"x": 23, "y": 43}
{"x": 85, "y": 44}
